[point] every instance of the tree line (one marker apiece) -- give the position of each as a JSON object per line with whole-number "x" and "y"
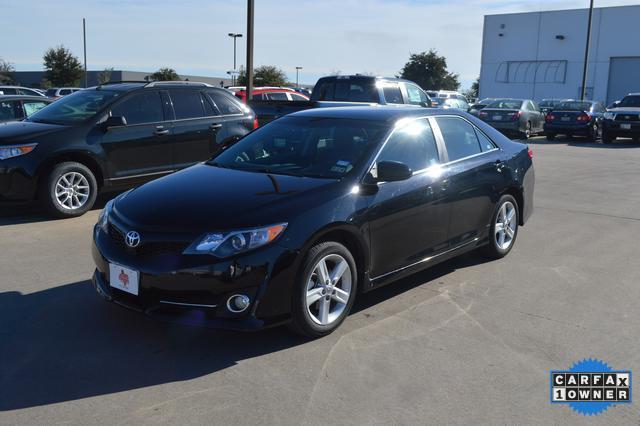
{"x": 62, "y": 68}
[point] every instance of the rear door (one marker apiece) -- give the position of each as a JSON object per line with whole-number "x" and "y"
{"x": 233, "y": 117}
{"x": 474, "y": 174}
{"x": 142, "y": 148}
{"x": 409, "y": 219}
{"x": 197, "y": 127}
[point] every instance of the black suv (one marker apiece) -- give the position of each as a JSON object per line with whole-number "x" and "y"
{"x": 115, "y": 136}
{"x": 623, "y": 120}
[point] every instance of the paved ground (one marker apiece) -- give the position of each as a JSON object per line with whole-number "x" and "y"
{"x": 467, "y": 342}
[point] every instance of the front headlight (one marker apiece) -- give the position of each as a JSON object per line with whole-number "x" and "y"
{"x": 103, "y": 219}
{"x": 226, "y": 244}
{"x": 16, "y": 150}
{"x": 609, "y": 116}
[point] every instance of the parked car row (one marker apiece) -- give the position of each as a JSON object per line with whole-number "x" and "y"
{"x": 52, "y": 93}
{"x": 15, "y": 108}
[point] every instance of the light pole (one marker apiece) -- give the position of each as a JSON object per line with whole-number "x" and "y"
{"x": 234, "y": 36}
{"x": 583, "y": 91}
{"x": 297, "y": 80}
{"x": 250, "y": 10}
{"x": 84, "y": 42}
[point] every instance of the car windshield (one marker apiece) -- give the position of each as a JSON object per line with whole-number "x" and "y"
{"x": 75, "y": 108}
{"x": 630, "y": 101}
{"x": 505, "y": 104}
{"x": 574, "y": 106}
{"x": 305, "y": 146}
{"x": 547, "y": 104}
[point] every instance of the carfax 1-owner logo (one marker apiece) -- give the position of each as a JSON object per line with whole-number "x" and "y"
{"x": 590, "y": 387}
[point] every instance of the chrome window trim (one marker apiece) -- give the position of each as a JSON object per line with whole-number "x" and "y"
{"x": 141, "y": 175}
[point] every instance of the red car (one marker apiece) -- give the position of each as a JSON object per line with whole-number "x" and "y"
{"x": 272, "y": 94}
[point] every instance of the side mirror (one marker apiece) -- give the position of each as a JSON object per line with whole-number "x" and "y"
{"x": 114, "y": 121}
{"x": 392, "y": 171}
{"x": 425, "y": 104}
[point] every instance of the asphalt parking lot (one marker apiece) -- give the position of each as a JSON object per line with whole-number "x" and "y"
{"x": 468, "y": 341}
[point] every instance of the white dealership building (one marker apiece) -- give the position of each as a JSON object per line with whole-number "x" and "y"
{"x": 540, "y": 55}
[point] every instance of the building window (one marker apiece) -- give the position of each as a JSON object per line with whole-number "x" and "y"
{"x": 532, "y": 72}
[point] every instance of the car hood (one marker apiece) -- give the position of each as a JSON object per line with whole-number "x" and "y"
{"x": 208, "y": 198}
{"x": 25, "y": 131}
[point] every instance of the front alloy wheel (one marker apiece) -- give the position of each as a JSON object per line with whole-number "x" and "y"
{"x": 325, "y": 290}
{"x": 69, "y": 190}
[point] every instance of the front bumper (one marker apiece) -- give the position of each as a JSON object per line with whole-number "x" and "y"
{"x": 194, "y": 289}
{"x": 569, "y": 129}
{"x": 17, "y": 179}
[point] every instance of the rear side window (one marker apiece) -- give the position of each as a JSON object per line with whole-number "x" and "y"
{"x": 209, "y": 111}
{"x": 413, "y": 145}
{"x": 278, "y": 96}
{"x": 65, "y": 92}
{"x": 416, "y": 95}
{"x": 459, "y": 137}
{"x": 486, "y": 144}
{"x": 27, "y": 92}
{"x": 7, "y": 111}
{"x": 392, "y": 93}
{"x": 296, "y": 97}
{"x": 226, "y": 105}
{"x": 8, "y": 91}
{"x": 145, "y": 107}
{"x": 187, "y": 104}
{"x": 50, "y": 92}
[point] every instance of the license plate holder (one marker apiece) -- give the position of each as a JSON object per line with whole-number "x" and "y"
{"x": 625, "y": 126}
{"x": 497, "y": 117}
{"x": 123, "y": 278}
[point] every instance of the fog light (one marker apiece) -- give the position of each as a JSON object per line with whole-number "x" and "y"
{"x": 238, "y": 303}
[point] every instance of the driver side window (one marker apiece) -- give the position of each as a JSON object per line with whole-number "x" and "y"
{"x": 145, "y": 107}
{"x": 413, "y": 145}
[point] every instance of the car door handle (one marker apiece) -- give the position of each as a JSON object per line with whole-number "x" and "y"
{"x": 499, "y": 165}
{"x": 215, "y": 126}
{"x": 161, "y": 131}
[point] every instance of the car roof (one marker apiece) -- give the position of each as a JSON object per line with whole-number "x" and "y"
{"x": 372, "y": 77}
{"x": 24, "y": 97}
{"x": 375, "y": 112}
{"x": 133, "y": 85}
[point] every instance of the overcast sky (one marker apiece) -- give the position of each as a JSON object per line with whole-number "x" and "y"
{"x": 323, "y": 36}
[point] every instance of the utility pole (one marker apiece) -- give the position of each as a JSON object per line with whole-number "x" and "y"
{"x": 249, "y": 91}
{"x": 234, "y": 36}
{"x": 297, "y": 80}
{"x": 583, "y": 92}
{"x": 84, "y": 42}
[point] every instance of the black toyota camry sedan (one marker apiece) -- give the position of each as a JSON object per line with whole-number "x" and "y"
{"x": 290, "y": 223}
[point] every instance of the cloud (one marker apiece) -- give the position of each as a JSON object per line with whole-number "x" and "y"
{"x": 375, "y": 36}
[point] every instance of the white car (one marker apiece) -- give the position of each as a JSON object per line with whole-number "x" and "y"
{"x": 18, "y": 90}
{"x": 58, "y": 92}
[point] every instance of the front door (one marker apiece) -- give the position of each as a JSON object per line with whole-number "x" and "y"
{"x": 142, "y": 148}
{"x": 409, "y": 219}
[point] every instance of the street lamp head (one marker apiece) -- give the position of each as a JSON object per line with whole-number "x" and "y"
{"x": 234, "y": 35}
{"x": 298, "y": 68}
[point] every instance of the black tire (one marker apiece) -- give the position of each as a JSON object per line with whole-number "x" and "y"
{"x": 48, "y": 185}
{"x": 492, "y": 250}
{"x": 302, "y": 322}
{"x": 607, "y": 139}
{"x": 551, "y": 136}
{"x": 595, "y": 133}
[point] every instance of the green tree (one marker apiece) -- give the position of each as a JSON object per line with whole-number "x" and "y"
{"x": 6, "y": 71}
{"x": 474, "y": 91}
{"x": 265, "y": 75}
{"x": 104, "y": 76}
{"x": 165, "y": 74}
{"x": 429, "y": 70}
{"x": 62, "y": 67}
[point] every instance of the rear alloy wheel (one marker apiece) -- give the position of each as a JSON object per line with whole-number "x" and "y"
{"x": 606, "y": 139}
{"x": 504, "y": 228}
{"x": 69, "y": 190}
{"x": 325, "y": 290}
{"x": 595, "y": 133}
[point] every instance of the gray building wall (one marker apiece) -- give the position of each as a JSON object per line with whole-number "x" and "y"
{"x": 522, "y": 57}
{"x": 34, "y": 78}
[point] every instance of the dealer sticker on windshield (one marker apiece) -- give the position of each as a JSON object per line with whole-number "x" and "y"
{"x": 342, "y": 167}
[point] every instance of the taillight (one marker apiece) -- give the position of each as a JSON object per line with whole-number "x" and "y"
{"x": 516, "y": 115}
{"x": 530, "y": 152}
{"x": 483, "y": 114}
{"x": 584, "y": 117}
{"x": 549, "y": 117}
{"x": 255, "y": 123}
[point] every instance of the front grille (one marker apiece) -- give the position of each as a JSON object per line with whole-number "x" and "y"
{"x": 627, "y": 117}
{"x": 152, "y": 248}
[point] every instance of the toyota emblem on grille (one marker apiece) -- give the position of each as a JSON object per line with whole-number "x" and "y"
{"x": 132, "y": 239}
